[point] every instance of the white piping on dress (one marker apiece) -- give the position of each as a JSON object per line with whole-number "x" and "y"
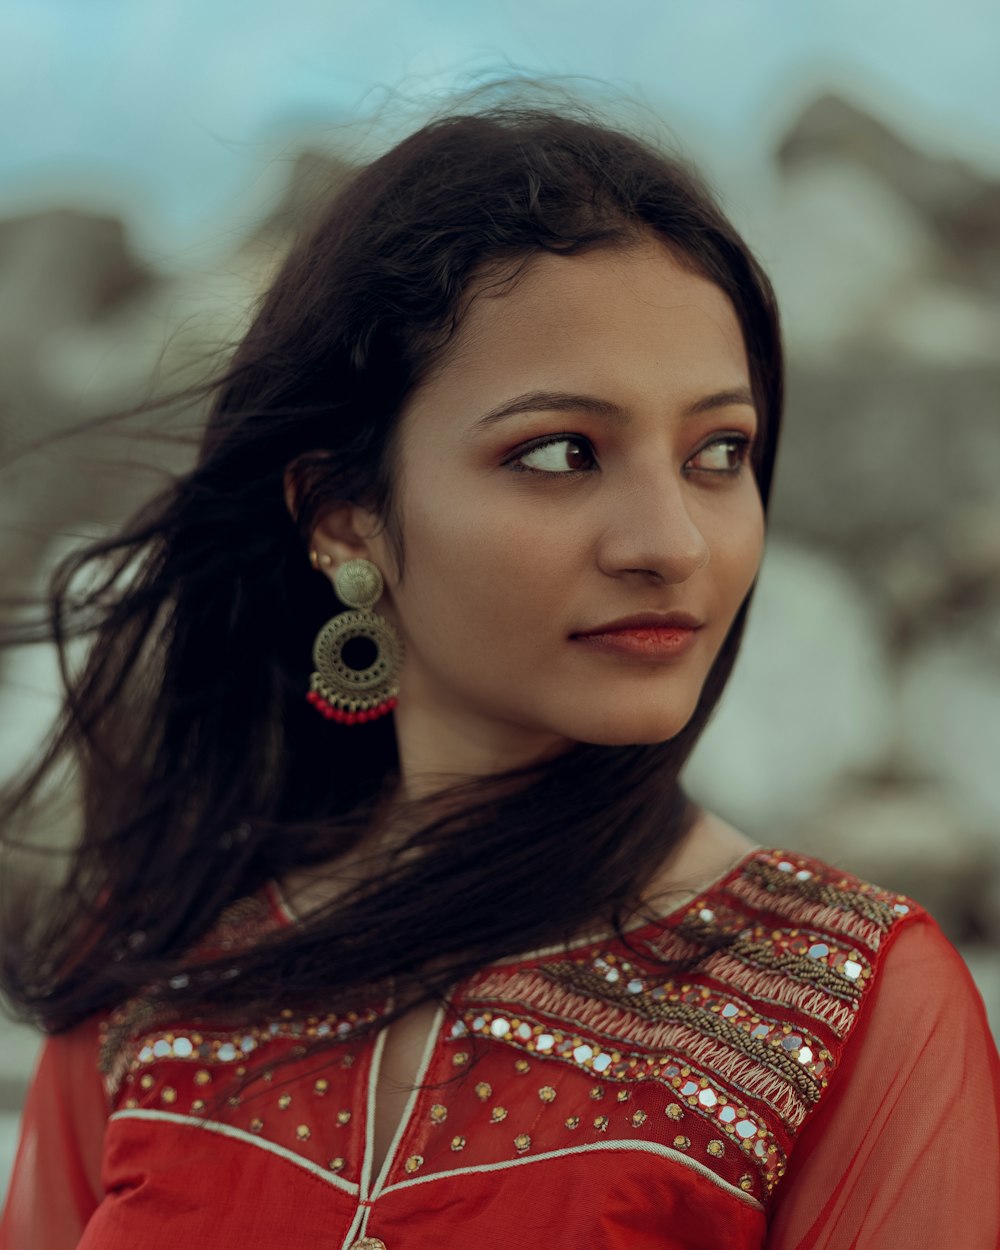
{"x": 357, "y": 1229}
{"x": 653, "y": 1148}
{"x": 373, "y": 1071}
{"x": 425, "y": 1058}
{"x": 238, "y": 1134}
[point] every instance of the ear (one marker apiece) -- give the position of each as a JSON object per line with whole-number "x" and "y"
{"x": 342, "y": 531}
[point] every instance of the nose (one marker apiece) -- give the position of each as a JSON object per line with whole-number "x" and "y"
{"x": 649, "y": 528}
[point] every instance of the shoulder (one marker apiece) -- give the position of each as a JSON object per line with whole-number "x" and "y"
{"x": 777, "y": 891}
{"x": 915, "y": 1078}
{"x": 740, "y": 1002}
{"x": 799, "y": 887}
{"x": 815, "y": 923}
{"x": 137, "y": 1031}
{"x": 793, "y": 953}
{"x": 807, "y": 947}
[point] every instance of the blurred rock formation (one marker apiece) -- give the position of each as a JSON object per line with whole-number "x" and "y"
{"x": 958, "y": 205}
{"x": 887, "y": 265}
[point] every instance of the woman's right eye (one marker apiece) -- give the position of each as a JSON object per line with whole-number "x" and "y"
{"x": 565, "y": 454}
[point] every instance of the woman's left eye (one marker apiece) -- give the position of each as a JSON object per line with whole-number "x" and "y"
{"x": 741, "y": 446}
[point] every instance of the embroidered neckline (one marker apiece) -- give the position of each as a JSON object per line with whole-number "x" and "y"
{"x": 288, "y": 917}
{"x": 735, "y": 1053}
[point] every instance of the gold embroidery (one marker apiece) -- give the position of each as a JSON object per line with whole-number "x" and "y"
{"x": 857, "y": 896}
{"x": 703, "y": 1021}
{"x": 732, "y": 1038}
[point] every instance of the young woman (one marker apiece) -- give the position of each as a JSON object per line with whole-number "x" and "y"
{"x": 390, "y": 924}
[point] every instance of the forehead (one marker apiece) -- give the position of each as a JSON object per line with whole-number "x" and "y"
{"x": 631, "y": 321}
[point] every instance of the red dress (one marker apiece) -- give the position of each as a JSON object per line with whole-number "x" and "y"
{"x": 827, "y": 1081}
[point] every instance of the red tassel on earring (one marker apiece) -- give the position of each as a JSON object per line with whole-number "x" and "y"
{"x": 343, "y": 717}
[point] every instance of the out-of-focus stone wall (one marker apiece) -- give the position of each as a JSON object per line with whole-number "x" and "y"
{"x": 863, "y": 720}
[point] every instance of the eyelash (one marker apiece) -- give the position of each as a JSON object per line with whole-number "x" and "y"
{"x": 744, "y": 444}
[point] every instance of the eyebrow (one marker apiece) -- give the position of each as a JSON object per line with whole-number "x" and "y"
{"x": 566, "y": 401}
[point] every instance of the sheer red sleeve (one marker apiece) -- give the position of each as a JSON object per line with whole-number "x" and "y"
{"x": 904, "y": 1149}
{"x": 55, "y": 1185}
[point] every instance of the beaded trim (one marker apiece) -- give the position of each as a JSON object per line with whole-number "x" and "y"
{"x": 690, "y": 1083}
{"x": 749, "y": 1041}
{"x": 130, "y": 1039}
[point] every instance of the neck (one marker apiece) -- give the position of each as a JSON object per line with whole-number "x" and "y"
{"x": 440, "y": 745}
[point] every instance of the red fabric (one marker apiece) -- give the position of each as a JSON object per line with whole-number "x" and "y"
{"x": 902, "y": 1147}
{"x": 55, "y": 1186}
{"x": 905, "y": 1147}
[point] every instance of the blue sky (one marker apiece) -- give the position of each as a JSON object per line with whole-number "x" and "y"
{"x": 180, "y": 114}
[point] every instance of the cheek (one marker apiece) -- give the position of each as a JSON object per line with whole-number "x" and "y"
{"x": 479, "y": 574}
{"x": 737, "y": 551}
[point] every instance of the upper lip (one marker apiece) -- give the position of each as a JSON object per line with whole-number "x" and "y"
{"x": 647, "y": 620}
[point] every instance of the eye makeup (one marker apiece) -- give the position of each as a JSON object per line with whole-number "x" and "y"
{"x": 742, "y": 443}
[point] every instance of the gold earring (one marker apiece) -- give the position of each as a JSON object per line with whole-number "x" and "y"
{"x": 353, "y": 696}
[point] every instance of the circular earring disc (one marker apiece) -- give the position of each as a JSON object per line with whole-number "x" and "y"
{"x": 358, "y": 583}
{"x": 328, "y": 652}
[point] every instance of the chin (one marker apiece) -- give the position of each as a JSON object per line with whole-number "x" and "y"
{"x": 625, "y": 731}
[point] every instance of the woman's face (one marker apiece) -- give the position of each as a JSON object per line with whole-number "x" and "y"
{"x": 523, "y": 530}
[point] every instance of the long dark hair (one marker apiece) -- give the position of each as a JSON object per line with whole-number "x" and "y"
{"x": 200, "y": 769}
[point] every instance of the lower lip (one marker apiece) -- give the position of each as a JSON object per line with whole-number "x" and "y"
{"x": 651, "y": 644}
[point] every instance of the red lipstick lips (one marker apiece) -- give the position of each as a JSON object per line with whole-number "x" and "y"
{"x": 646, "y": 620}
{"x": 648, "y": 635}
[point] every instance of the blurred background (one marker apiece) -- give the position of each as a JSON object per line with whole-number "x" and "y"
{"x": 154, "y": 160}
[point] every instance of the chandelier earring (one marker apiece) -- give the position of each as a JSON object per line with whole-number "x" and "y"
{"x": 339, "y": 690}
